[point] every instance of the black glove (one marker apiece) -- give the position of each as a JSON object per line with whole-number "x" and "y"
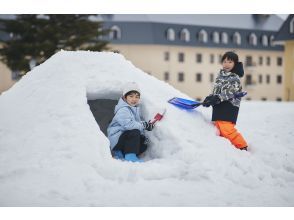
{"x": 211, "y": 100}
{"x": 147, "y": 125}
{"x": 206, "y": 102}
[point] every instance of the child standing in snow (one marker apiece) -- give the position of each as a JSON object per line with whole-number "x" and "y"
{"x": 225, "y": 104}
{"x": 126, "y": 130}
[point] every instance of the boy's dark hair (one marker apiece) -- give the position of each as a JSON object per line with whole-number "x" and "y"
{"x": 131, "y": 92}
{"x": 230, "y": 55}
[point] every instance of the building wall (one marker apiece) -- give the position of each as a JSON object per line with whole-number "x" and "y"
{"x": 289, "y": 71}
{"x": 150, "y": 58}
{"x": 5, "y": 78}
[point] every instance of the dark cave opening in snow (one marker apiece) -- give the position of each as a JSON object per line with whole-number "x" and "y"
{"x": 103, "y": 112}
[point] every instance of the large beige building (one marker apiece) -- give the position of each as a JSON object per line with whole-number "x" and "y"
{"x": 195, "y": 73}
{"x": 185, "y": 50}
{"x": 286, "y": 35}
{"x": 6, "y": 80}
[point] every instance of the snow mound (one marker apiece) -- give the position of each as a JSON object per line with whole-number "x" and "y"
{"x": 53, "y": 153}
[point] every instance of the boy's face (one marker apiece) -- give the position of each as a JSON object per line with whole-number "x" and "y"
{"x": 228, "y": 65}
{"x": 133, "y": 99}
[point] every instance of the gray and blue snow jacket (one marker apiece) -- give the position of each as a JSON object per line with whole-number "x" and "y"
{"x": 125, "y": 118}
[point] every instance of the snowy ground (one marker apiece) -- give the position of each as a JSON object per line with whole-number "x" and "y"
{"x": 52, "y": 152}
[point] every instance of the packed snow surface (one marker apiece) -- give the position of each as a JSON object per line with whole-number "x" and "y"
{"x": 53, "y": 153}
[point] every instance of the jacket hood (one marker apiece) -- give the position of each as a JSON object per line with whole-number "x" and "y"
{"x": 122, "y": 104}
{"x": 238, "y": 69}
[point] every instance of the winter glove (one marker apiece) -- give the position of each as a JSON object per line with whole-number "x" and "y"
{"x": 211, "y": 100}
{"x": 148, "y": 125}
{"x": 206, "y": 103}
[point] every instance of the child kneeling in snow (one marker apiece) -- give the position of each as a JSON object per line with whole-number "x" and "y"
{"x": 126, "y": 130}
{"x": 224, "y": 101}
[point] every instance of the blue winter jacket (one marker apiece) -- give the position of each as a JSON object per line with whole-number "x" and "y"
{"x": 126, "y": 118}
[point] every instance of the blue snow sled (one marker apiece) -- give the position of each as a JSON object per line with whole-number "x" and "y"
{"x": 191, "y": 104}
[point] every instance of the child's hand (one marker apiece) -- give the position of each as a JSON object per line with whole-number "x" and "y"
{"x": 211, "y": 100}
{"x": 147, "y": 125}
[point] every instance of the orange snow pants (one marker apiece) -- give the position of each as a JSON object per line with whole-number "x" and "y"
{"x": 227, "y": 130}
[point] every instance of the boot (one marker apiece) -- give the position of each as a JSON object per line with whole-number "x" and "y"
{"x": 117, "y": 154}
{"x": 243, "y": 148}
{"x": 132, "y": 158}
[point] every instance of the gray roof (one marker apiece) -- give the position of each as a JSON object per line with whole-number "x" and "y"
{"x": 241, "y": 21}
{"x": 284, "y": 33}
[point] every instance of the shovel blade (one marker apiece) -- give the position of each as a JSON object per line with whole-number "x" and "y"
{"x": 184, "y": 103}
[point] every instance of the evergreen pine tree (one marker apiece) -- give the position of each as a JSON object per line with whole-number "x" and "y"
{"x": 34, "y": 38}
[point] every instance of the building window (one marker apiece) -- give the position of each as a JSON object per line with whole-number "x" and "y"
{"x": 279, "y": 99}
{"x": 263, "y": 99}
{"x": 279, "y": 61}
{"x": 268, "y": 79}
{"x": 115, "y": 33}
{"x": 181, "y": 77}
{"x": 264, "y": 40}
{"x": 272, "y": 42}
{"x": 260, "y": 60}
{"x": 215, "y": 37}
{"x": 170, "y": 34}
{"x": 237, "y": 38}
{"x": 279, "y": 79}
{"x": 202, "y": 36}
{"x": 248, "y": 98}
{"x": 211, "y": 77}
{"x": 199, "y": 58}
{"x": 252, "y": 39}
{"x": 166, "y": 76}
{"x": 211, "y": 58}
{"x": 166, "y": 56}
{"x": 220, "y": 58}
{"x": 185, "y": 35}
{"x": 198, "y": 77}
{"x": 291, "y": 28}
{"x": 225, "y": 38}
{"x": 260, "y": 79}
{"x": 248, "y": 61}
{"x": 268, "y": 61}
{"x": 248, "y": 79}
{"x": 181, "y": 57}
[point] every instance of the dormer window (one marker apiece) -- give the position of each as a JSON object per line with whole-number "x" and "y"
{"x": 170, "y": 34}
{"x": 185, "y": 35}
{"x": 225, "y": 38}
{"x": 237, "y": 38}
{"x": 291, "y": 28}
{"x": 215, "y": 37}
{"x": 115, "y": 33}
{"x": 202, "y": 37}
{"x": 264, "y": 40}
{"x": 252, "y": 39}
{"x": 272, "y": 42}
